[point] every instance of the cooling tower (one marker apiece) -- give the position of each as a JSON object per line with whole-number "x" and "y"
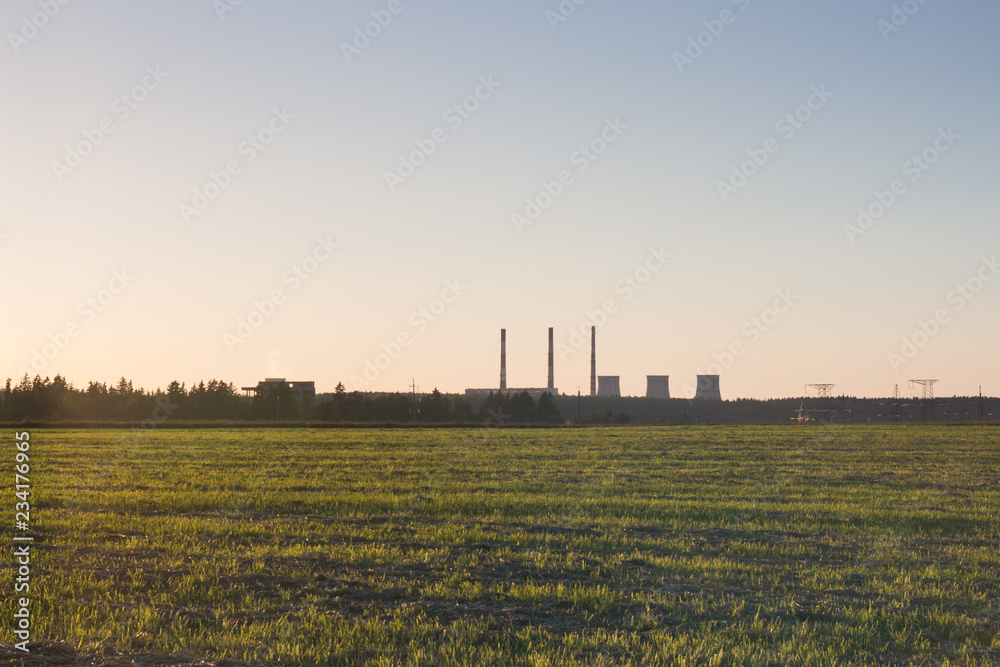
{"x": 552, "y": 368}
{"x": 609, "y": 385}
{"x": 708, "y": 388}
{"x": 657, "y": 386}
{"x": 503, "y": 359}
{"x": 593, "y": 361}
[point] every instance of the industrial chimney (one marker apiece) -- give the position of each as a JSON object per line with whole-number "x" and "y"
{"x": 552, "y": 368}
{"x": 593, "y": 361}
{"x": 708, "y": 388}
{"x": 503, "y": 359}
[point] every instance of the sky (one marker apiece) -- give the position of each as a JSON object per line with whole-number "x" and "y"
{"x": 779, "y": 193}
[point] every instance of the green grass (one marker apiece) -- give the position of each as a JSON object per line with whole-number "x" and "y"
{"x": 616, "y": 546}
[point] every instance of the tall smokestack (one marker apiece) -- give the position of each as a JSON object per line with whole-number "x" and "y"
{"x": 552, "y": 368}
{"x": 593, "y": 361}
{"x": 503, "y": 359}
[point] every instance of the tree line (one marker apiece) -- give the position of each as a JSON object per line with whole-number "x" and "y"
{"x": 55, "y": 399}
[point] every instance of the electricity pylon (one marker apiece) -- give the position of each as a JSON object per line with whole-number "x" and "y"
{"x": 826, "y": 408}
{"x": 927, "y": 401}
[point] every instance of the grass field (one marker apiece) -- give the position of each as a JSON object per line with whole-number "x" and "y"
{"x": 644, "y": 546}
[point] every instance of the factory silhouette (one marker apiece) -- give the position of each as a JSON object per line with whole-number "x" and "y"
{"x": 280, "y": 399}
{"x": 657, "y": 386}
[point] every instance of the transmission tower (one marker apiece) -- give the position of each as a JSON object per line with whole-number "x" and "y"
{"x": 927, "y": 400}
{"x": 826, "y": 407}
{"x": 823, "y": 390}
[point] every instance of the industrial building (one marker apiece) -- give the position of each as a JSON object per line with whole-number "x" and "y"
{"x": 657, "y": 386}
{"x": 609, "y": 385}
{"x": 535, "y": 392}
{"x": 300, "y": 389}
{"x": 708, "y": 388}
{"x": 593, "y": 361}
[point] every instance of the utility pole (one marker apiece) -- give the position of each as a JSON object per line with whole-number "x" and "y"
{"x": 980, "y": 403}
{"x": 413, "y": 400}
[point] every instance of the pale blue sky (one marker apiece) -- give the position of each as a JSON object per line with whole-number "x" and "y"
{"x": 655, "y": 186}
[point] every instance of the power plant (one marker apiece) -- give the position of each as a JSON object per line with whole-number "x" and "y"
{"x": 552, "y": 368}
{"x": 503, "y": 359}
{"x": 593, "y": 361}
{"x": 657, "y": 386}
{"x": 708, "y": 388}
{"x": 606, "y": 403}
{"x": 533, "y": 391}
{"x": 609, "y": 385}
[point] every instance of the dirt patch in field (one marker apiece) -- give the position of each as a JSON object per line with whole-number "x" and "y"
{"x": 42, "y": 653}
{"x": 64, "y": 655}
{"x": 355, "y": 592}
